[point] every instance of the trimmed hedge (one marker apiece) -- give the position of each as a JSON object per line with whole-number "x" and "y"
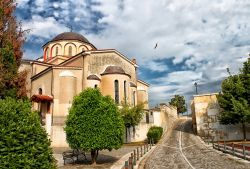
{"x": 23, "y": 141}
{"x": 155, "y": 133}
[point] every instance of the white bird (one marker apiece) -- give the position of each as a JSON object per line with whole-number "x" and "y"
{"x": 156, "y": 45}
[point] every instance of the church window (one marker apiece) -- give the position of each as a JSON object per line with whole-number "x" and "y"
{"x": 147, "y": 118}
{"x": 134, "y": 98}
{"x": 116, "y": 91}
{"x": 47, "y": 53}
{"x": 125, "y": 91}
{"x": 56, "y": 50}
{"x": 40, "y": 91}
{"x": 70, "y": 50}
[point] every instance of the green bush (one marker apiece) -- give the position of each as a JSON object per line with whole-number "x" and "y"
{"x": 23, "y": 142}
{"x": 94, "y": 123}
{"x": 155, "y": 133}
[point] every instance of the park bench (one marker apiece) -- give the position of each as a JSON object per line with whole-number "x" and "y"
{"x": 73, "y": 155}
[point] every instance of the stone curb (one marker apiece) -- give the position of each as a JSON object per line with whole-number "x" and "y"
{"x": 120, "y": 163}
{"x": 142, "y": 161}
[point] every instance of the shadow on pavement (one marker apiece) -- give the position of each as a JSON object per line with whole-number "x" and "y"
{"x": 185, "y": 127}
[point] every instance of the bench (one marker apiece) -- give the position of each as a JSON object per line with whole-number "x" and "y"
{"x": 73, "y": 155}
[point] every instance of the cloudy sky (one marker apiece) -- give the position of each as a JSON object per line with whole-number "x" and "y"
{"x": 197, "y": 39}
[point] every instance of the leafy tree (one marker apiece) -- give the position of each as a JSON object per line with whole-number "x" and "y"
{"x": 132, "y": 115}
{"x": 11, "y": 41}
{"x": 179, "y": 102}
{"x": 94, "y": 123}
{"x": 23, "y": 142}
{"x": 234, "y": 99}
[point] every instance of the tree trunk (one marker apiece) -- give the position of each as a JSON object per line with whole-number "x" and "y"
{"x": 133, "y": 131}
{"x": 126, "y": 134}
{"x": 129, "y": 135}
{"x": 94, "y": 155}
{"x": 244, "y": 131}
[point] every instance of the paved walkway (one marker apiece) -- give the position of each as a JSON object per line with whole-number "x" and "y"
{"x": 181, "y": 149}
{"x": 104, "y": 161}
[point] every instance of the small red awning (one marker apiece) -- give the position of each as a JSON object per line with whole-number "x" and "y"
{"x": 40, "y": 98}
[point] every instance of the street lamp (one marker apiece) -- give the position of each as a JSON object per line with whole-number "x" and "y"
{"x": 196, "y": 84}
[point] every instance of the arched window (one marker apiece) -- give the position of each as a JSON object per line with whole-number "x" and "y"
{"x": 134, "y": 98}
{"x": 40, "y": 91}
{"x": 56, "y": 50}
{"x": 125, "y": 91}
{"x": 47, "y": 53}
{"x": 70, "y": 50}
{"x": 116, "y": 91}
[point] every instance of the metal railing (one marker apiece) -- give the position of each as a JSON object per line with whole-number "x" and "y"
{"x": 238, "y": 150}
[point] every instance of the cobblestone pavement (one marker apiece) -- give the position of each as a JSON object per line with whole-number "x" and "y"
{"x": 180, "y": 149}
{"x": 104, "y": 161}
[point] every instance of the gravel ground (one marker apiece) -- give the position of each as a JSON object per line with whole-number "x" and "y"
{"x": 104, "y": 161}
{"x": 194, "y": 153}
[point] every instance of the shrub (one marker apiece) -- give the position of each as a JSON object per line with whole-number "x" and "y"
{"x": 155, "y": 133}
{"x": 23, "y": 142}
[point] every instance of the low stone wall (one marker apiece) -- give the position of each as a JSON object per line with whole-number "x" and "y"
{"x": 205, "y": 110}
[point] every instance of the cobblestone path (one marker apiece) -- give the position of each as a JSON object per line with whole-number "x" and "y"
{"x": 181, "y": 149}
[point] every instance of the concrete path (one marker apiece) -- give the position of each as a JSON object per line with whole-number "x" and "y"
{"x": 105, "y": 159}
{"x": 181, "y": 149}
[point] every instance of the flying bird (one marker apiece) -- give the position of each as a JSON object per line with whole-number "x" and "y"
{"x": 156, "y": 45}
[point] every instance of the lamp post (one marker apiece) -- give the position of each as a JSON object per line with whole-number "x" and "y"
{"x": 196, "y": 84}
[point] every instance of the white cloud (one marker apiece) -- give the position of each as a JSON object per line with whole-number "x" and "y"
{"x": 204, "y": 36}
{"x": 44, "y": 27}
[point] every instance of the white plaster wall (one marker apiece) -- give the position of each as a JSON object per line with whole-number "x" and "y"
{"x": 58, "y": 137}
{"x": 140, "y": 132}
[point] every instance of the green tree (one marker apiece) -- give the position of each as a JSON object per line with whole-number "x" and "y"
{"x": 94, "y": 123}
{"x": 234, "y": 99}
{"x": 23, "y": 142}
{"x": 12, "y": 82}
{"x": 179, "y": 102}
{"x": 132, "y": 115}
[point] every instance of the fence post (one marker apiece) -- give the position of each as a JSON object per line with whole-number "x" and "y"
{"x": 130, "y": 163}
{"x": 141, "y": 151}
{"x": 134, "y": 157}
{"x": 126, "y": 165}
{"x": 138, "y": 153}
{"x": 244, "y": 151}
{"x": 224, "y": 146}
{"x": 233, "y": 149}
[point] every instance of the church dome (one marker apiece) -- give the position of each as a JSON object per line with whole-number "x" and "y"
{"x": 70, "y": 36}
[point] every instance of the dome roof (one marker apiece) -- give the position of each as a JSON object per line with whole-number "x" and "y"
{"x": 70, "y": 36}
{"x": 114, "y": 70}
{"x": 93, "y": 77}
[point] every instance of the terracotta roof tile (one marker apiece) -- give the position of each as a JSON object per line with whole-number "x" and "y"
{"x": 40, "y": 98}
{"x": 93, "y": 77}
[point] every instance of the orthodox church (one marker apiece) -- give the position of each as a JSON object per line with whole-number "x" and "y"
{"x": 70, "y": 64}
